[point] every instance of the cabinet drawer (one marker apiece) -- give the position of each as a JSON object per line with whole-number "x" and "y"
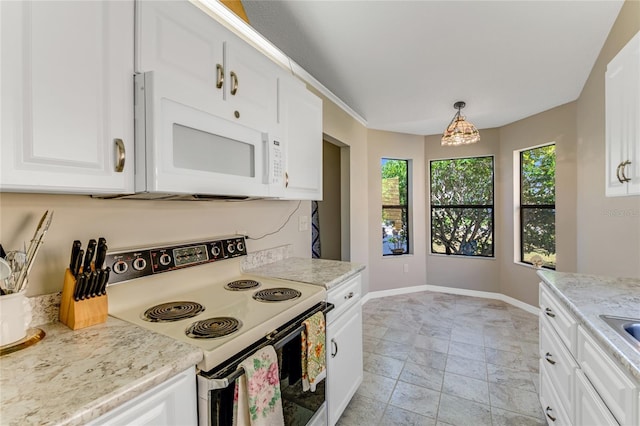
{"x": 561, "y": 320}
{"x": 590, "y": 410}
{"x": 552, "y": 408}
{"x": 558, "y": 363}
{"x": 344, "y": 296}
{"x": 617, "y": 391}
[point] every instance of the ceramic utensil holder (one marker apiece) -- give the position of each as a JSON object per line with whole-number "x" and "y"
{"x": 82, "y": 313}
{"x": 15, "y": 316}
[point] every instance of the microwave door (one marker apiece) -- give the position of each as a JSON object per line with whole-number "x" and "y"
{"x": 191, "y": 151}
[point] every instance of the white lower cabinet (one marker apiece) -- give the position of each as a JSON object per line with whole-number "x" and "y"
{"x": 344, "y": 347}
{"x": 590, "y": 410}
{"x": 170, "y": 403}
{"x": 580, "y": 383}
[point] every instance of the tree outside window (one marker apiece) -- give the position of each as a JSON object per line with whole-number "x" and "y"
{"x": 395, "y": 206}
{"x": 537, "y": 206}
{"x": 462, "y": 212}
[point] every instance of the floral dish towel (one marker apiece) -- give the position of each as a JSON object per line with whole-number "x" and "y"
{"x": 257, "y": 400}
{"x": 313, "y": 352}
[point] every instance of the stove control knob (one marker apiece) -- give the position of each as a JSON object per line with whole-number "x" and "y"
{"x": 240, "y": 246}
{"x": 139, "y": 264}
{"x": 120, "y": 267}
{"x": 165, "y": 259}
{"x": 215, "y": 251}
{"x": 231, "y": 248}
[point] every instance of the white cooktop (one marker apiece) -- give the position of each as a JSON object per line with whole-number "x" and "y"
{"x": 128, "y": 301}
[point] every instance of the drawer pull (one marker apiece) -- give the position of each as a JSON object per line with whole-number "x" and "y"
{"x": 334, "y": 344}
{"x": 549, "y": 313}
{"x": 553, "y": 419}
{"x": 548, "y": 358}
{"x": 348, "y": 296}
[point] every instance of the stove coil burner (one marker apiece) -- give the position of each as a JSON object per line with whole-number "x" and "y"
{"x": 279, "y": 294}
{"x": 212, "y": 328}
{"x": 242, "y": 285}
{"x": 172, "y": 311}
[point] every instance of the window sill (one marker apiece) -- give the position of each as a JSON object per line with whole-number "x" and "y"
{"x": 461, "y": 256}
{"x": 527, "y": 265}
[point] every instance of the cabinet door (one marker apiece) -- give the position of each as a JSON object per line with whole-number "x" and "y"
{"x": 622, "y": 102}
{"x": 67, "y": 96}
{"x": 301, "y": 121}
{"x": 590, "y": 410}
{"x": 185, "y": 46}
{"x": 344, "y": 361}
{"x": 251, "y": 85}
{"x": 170, "y": 403}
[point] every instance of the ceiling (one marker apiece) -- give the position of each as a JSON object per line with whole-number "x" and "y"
{"x": 401, "y": 65}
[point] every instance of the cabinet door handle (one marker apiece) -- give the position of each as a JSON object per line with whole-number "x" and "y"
{"x": 219, "y": 76}
{"x": 234, "y": 83}
{"x": 620, "y": 171}
{"x": 348, "y": 296}
{"x": 546, "y": 411}
{"x": 548, "y": 356}
{"x": 120, "y": 155}
{"x": 549, "y": 313}
{"x": 334, "y": 344}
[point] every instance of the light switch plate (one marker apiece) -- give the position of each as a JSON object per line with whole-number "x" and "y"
{"x": 303, "y": 223}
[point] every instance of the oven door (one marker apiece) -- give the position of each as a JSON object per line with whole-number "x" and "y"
{"x": 216, "y": 387}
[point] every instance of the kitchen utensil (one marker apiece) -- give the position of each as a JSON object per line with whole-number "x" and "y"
{"x": 5, "y": 273}
{"x": 88, "y": 257}
{"x": 17, "y": 261}
{"x": 75, "y": 250}
{"x": 76, "y": 267}
{"x": 101, "y": 253}
{"x": 32, "y": 251}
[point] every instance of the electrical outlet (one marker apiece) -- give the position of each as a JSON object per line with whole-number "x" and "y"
{"x": 303, "y": 223}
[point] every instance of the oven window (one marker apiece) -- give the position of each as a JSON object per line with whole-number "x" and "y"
{"x": 197, "y": 150}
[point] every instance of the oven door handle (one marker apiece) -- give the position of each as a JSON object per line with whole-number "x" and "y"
{"x": 277, "y": 342}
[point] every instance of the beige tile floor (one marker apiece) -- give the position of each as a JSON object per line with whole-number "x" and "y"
{"x": 442, "y": 359}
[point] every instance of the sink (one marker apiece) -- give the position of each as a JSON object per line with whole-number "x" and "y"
{"x": 627, "y": 328}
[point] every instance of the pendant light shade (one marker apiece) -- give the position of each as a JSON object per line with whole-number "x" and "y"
{"x": 460, "y": 131}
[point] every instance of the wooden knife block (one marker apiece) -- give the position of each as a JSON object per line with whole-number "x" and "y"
{"x": 83, "y": 313}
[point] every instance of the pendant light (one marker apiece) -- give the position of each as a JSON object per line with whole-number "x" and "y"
{"x": 460, "y": 131}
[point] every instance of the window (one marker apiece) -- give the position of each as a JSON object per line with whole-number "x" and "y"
{"x": 538, "y": 206}
{"x": 395, "y": 206}
{"x": 462, "y": 206}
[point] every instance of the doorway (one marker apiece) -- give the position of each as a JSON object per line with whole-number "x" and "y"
{"x": 333, "y": 210}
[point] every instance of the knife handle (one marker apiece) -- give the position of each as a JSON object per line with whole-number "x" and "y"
{"x": 78, "y": 287}
{"x": 76, "y": 268}
{"x": 101, "y": 253}
{"x": 105, "y": 281}
{"x": 75, "y": 249}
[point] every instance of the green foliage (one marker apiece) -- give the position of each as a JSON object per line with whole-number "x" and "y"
{"x": 456, "y": 226}
{"x": 397, "y": 168}
{"x": 538, "y": 173}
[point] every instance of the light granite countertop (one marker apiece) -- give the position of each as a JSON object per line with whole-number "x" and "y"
{"x": 327, "y": 273}
{"x": 71, "y": 377}
{"x": 589, "y": 296}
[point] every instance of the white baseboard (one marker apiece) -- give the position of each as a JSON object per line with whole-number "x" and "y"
{"x": 452, "y": 290}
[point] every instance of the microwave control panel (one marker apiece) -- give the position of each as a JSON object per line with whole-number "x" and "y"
{"x": 137, "y": 263}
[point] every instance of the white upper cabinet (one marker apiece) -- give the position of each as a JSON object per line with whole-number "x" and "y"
{"x": 301, "y": 123}
{"x": 623, "y": 121}
{"x": 67, "y": 97}
{"x": 211, "y": 69}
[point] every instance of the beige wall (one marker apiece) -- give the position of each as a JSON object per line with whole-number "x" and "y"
{"x": 608, "y": 228}
{"x": 132, "y": 223}
{"x": 470, "y": 273}
{"x": 329, "y": 208}
{"x": 558, "y": 126}
{"x": 342, "y": 129}
{"x": 388, "y": 272}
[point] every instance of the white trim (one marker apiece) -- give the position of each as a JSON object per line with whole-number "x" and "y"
{"x": 226, "y": 17}
{"x": 451, "y": 290}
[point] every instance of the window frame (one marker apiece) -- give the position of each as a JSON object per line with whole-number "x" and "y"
{"x": 405, "y": 207}
{"x": 460, "y": 206}
{"x": 522, "y": 207}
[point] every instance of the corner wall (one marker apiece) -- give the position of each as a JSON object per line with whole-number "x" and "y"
{"x": 608, "y": 240}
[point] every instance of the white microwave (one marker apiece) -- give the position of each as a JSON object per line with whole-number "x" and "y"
{"x": 183, "y": 152}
